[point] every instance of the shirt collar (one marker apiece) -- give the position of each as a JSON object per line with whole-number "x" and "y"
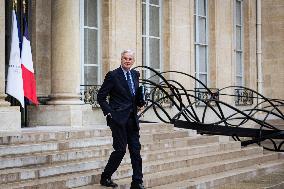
{"x": 124, "y": 71}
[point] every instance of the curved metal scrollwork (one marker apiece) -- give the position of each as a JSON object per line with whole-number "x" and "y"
{"x": 89, "y": 94}
{"x": 246, "y": 121}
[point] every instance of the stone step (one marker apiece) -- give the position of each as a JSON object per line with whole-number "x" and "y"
{"x": 268, "y": 181}
{"x": 97, "y": 141}
{"x": 51, "y": 157}
{"x": 162, "y": 135}
{"x": 49, "y": 146}
{"x": 48, "y": 134}
{"x": 97, "y": 162}
{"x": 213, "y": 181}
{"x": 151, "y": 167}
{"x": 190, "y": 151}
{"x": 188, "y": 161}
{"x": 184, "y": 173}
{"x": 231, "y": 178}
{"x": 81, "y": 179}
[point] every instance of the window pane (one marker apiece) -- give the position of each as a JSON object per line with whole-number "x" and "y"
{"x": 195, "y": 33}
{"x": 202, "y": 30}
{"x": 144, "y": 19}
{"x": 203, "y": 79}
{"x": 239, "y": 63}
{"x": 154, "y": 53}
{"x": 201, "y": 7}
{"x": 144, "y": 51}
{"x": 155, "y": 2}
{"x": 196, "y": 56}
{"x": 86, "y": 39}
{"x": 195, "y": 6}
{"x": 239, "y": 38}
{"x": 91, "y": 75}
{"x": 90, "y": 46}
{"x": 154, "y": 21}
{"x": 90, "y": 13}
{"x": 239, "y": 81}
{"x": 238, "y": 13}
{"x": 202, "y": 59}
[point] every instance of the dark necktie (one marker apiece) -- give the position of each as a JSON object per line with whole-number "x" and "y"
{"x": 130, "y": 84}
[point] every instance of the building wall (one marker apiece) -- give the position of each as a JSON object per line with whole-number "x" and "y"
{"x": 121, "y": 29}
{"x": 2, "y": 46}
{"x": 272, "y": 48}
{"x": 121, "y": 25}
{"x": 41, "y": 45}
{"x": 119, "y": 32}
{"x": 250, "y": 67}
{"x": 10, "y": 117}
{"x": 180, "y": 47}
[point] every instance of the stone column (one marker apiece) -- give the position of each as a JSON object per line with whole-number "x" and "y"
{"x": 2, "y": 54}
{"x": 10, "y": 117}
{"x": 64, "y": 107}
{"x": 65, "y": 52}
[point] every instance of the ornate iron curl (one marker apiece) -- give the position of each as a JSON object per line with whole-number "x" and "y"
{"x": 248, "y": 123}
{"x": 89, "y": 94}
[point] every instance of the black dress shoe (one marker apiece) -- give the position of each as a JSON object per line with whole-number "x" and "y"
{"x": 108, "y": 183}
{"x": 135, "y": 185}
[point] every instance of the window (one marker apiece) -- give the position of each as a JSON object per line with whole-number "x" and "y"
{"x": 151, "y": 36}
{"x": 201, "y": 41}
{"x": 238, "y": 28}
{"x": 90, "y": 32}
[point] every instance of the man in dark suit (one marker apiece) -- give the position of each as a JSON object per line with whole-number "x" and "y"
{"x": 121, "y": 86}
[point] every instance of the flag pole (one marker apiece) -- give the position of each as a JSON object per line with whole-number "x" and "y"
{"x": 25, "y": 106}
{"x": 24, "y": 7}
{"x": 15, "y": 4}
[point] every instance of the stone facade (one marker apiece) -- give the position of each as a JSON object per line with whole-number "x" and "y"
{"x": 272, "y": 48}
{"x": 2, "y": 51}
{"x": 56, "y": 50}
{"x": 10, "y": 117}
{"x": 41, "y": 45}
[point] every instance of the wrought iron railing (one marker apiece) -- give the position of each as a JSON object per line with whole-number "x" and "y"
{"x": 157, "y": 95}
{"x": 206, "y": 96}
{"x": 89, "y": 94}
{"x": 243, "y": 97}
{"x": 228, "y": 119}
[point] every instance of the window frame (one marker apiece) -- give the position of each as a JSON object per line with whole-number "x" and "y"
{"x": 82, "y": 45}
{"x": 147, "y": 36}
{"x": 241, "y": 50}
{"x": 198, "y": 44}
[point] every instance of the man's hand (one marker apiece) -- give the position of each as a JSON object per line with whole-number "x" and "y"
{"x": 109, "y": 115}
{"x": 140, "y": 109}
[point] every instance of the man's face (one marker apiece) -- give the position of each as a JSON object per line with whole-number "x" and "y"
{"x": 127, "y": 60}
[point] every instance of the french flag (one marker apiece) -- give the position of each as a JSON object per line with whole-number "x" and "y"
{"x": 14, "y": 78}
{"x": 29, "y": 82}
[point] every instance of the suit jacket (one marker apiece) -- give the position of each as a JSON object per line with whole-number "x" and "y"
{"x": 121, "y": 103}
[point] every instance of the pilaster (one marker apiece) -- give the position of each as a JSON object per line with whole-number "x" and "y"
{"x": 65, "y": 52}
{"x": 10, "y": 117}
{"x": 64, "y": 107}
{"x": 2, "y": 54}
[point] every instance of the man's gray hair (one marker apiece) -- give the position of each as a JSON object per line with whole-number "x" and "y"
{"x": 128, "y": 51}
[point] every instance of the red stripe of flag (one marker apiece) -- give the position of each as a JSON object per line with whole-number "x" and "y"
{"x": 29, "y": 82}
{"x": 29, "y": 85}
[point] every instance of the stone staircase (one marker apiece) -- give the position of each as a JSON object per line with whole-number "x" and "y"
{"x": 61, "y": 157}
